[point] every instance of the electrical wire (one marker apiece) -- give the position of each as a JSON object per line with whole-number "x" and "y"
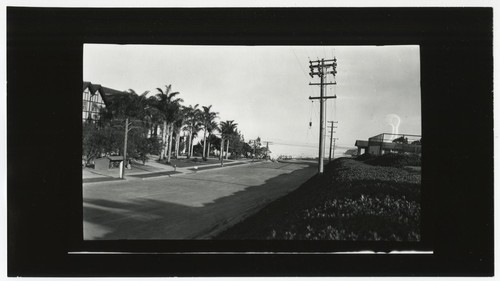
{"x": 300, "y": 65}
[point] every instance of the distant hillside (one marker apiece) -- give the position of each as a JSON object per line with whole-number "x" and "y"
{"x": 352, "y": 152}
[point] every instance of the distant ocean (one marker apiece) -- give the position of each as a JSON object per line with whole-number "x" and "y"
{"x": 302, "y": 151}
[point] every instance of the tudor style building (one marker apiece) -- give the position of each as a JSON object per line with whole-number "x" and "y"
{"x": 93, "y": 101}
{"x": 96, "y": 97}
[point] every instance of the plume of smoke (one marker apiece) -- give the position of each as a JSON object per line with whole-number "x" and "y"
{"x": 393, "y": 120}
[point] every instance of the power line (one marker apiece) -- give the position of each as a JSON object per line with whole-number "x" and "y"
{"x": 300, "y": 65}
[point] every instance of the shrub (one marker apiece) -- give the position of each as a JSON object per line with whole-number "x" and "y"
{"x": 351, "y": 201}
{"x": 363, "y": 218}
{"x": 346, "y": 170}
{"x": 395, "y": 160}
{"x": 365, "y": 156}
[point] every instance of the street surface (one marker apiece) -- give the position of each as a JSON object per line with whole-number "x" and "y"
{"x": 195, "y": 205}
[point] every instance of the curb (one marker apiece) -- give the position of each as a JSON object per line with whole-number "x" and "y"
{"x": 100, "y": 180}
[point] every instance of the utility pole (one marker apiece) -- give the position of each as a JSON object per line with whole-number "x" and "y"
{"x": 267, "y": 147}
{"x": 321, "y": 68}
{"x": 221, "y": 151}
{"x": 334, "y": 147}
{"x": 254, "y": 146}
{"x": 332, "y": 156}
{"x": 331, "y": 138}
{"x": 124, "y": 163}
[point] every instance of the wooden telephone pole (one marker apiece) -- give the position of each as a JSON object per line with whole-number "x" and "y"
{"x": 254, "y": 146}
{"x": 331, "y": 138}
{"x": 267, "y": 147}
{"x": 321, "y": 68}
{"x": 124, "y": 163}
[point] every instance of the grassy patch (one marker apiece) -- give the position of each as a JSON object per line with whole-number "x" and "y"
{"x": 195, "y": 161}
{"x": 350, "y": 201}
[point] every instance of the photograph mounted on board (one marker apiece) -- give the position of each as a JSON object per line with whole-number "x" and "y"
{"x": 251, "y": 142}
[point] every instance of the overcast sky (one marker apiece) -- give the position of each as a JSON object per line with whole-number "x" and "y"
{"x": 265, "y": 89}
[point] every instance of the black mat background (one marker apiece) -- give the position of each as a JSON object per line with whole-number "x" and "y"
{"x": 44, "y": 64}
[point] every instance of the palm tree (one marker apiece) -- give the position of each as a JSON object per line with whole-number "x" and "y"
{"x": 126, "y": 105}
{"x": 142, "y": 108}
{"x": 192, "y": 125}
{"x": 155, "y": 116}
{"x": 207, "y": 117}
{"x": 174, "y": 117}
{"x": 178, "y": 125}
{"x": 212, "y": 127}
{"x": 228, "y": 129}
{"x": 168, "y": 105}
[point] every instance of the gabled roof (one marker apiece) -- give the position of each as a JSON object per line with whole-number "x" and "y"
{"x": 107, "y": 94}
{"x": 92, "y": 87}
{"x": 361, "y": 143}
{"x": 110, "y": 94}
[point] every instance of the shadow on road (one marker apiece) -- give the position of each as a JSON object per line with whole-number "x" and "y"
{"x": 207, "y": 180}
{"x": 148, "y": 218}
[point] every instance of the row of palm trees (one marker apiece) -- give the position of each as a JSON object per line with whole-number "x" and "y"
{"x": 165, "y": 111}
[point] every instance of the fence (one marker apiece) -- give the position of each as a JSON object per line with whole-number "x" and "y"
{"x": 395, "y": 143}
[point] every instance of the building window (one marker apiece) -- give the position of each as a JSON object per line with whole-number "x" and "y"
{"x": 95, "y": 107}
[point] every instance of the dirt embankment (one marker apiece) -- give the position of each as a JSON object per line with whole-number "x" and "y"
{"x": 352, "y": 200}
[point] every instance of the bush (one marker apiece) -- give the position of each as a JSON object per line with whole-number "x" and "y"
{"x": 351, "y": 201}
{"x": 365, "y": 156}
{"x": 345, "y": 170}
{"x": 364, "y": 218}
{"x": 233, "y": 156}
{"x": 395, "y": 160}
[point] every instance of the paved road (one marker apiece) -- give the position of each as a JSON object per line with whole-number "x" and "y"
{"x": 188, "y": 206}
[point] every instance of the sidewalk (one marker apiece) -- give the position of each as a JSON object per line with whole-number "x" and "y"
{"x": 152, "y": 169}
{"x": 218, "y": 166}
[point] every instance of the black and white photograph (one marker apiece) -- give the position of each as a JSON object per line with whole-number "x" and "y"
{"x": 250, "y": 140}
{"x": 223, "y": 142}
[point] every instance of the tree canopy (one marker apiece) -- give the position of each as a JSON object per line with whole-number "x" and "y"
{"x": 163, "y": 111}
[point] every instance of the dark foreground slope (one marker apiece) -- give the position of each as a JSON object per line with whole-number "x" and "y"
{"x": 353, "y": 200}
